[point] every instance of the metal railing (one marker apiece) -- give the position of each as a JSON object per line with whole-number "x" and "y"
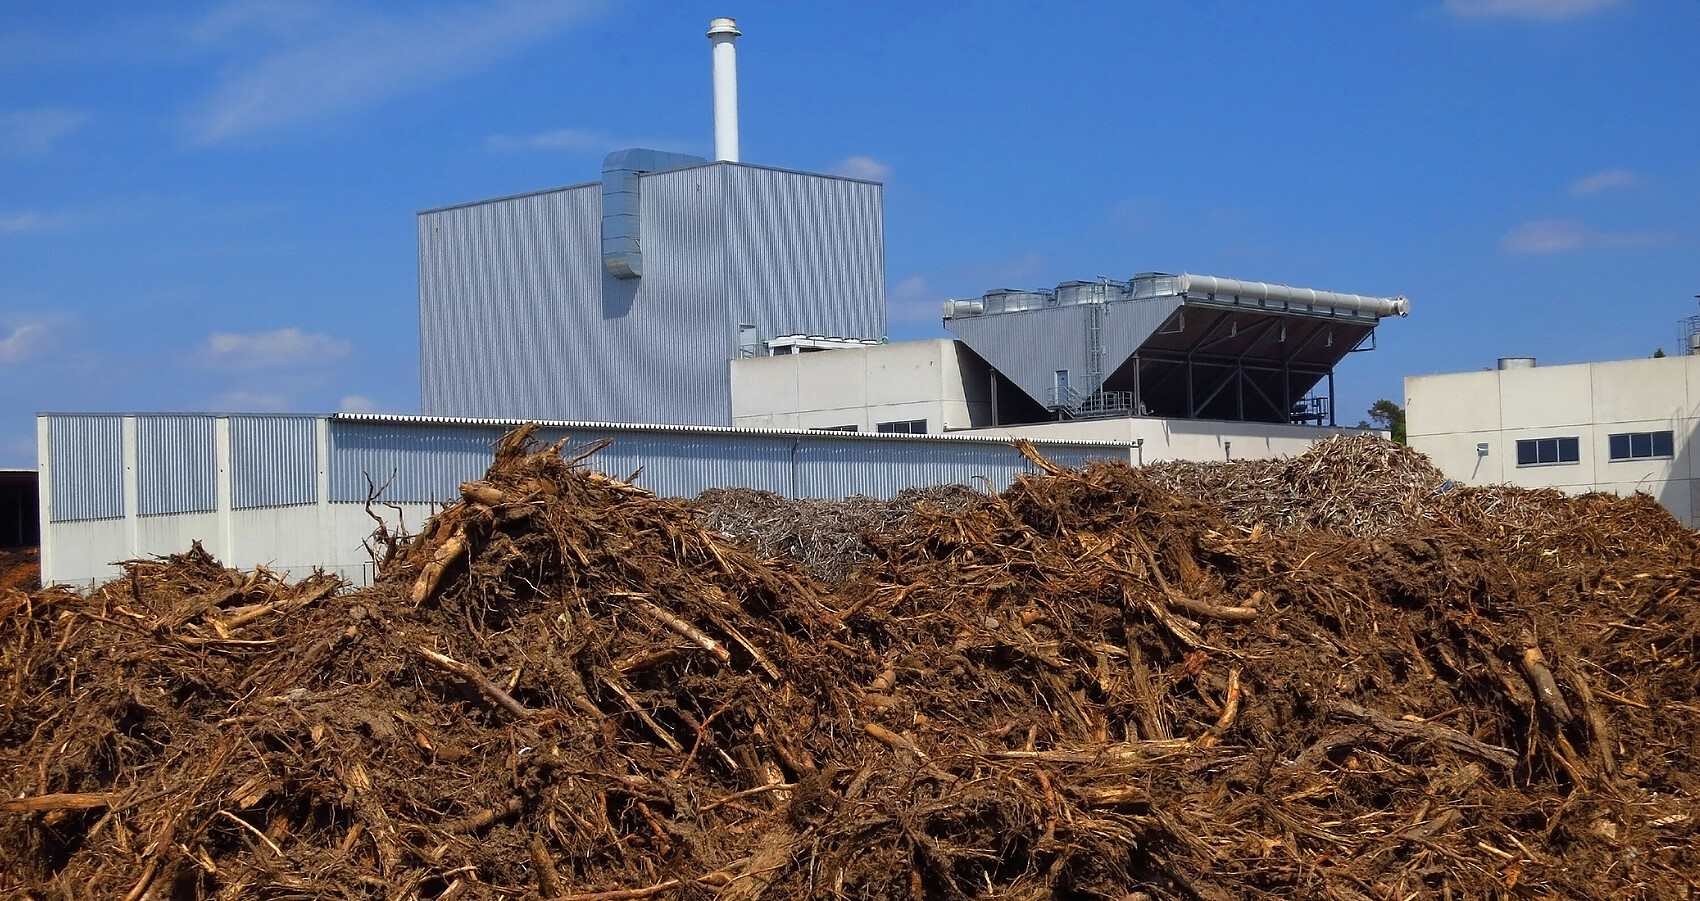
{"x": 1097, "y": 405}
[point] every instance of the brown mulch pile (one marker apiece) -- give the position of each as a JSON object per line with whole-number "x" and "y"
{"x": 20, "y": 570}
{"x": 1090, "y": 686}
{"x": 825, "y": 536}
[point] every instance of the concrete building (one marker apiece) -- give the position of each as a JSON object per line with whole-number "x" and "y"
{"x": 916, "y": 387}
{"x": 943, "y": 386}
{"x": 1621, "y": 426}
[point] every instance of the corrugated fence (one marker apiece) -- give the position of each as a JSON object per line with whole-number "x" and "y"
{"x": 273, "y": 461}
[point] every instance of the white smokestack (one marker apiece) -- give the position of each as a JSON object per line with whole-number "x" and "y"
{"x": 723, "y": 32}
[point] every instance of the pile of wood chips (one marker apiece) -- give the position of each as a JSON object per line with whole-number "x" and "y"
{"x": 1330, "y": 677}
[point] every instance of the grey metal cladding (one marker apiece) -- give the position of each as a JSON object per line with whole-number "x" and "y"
{"x": 841, "y": 468}
{"x": 502, "y": 286}
{"x": 622, "y": 224}
{"x": 685, "y": 465}
{"x": 409, "y": 464}
{"x": 422, "y": 462}
{"x": 806, "y": 253}
{"x": 86, "y": 467}
{"x": 520, "y": 319}
{"x": 675, "y": 342}
{"x": 176, "y": 464}
{"x": 274, "y": 461}
{"x": 1028, "y": 347}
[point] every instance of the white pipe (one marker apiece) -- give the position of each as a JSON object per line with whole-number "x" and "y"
{"x": 1206, "y": 284}
{"x": 723, "y": 32}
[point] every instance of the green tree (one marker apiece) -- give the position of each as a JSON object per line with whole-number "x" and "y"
{"x": 1390, "y": 416}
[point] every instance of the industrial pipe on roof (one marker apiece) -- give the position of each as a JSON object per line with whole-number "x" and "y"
{"x": 622, "y": 223}
{"x": 1208, "y": 284}
{"x": 723, "y": 32}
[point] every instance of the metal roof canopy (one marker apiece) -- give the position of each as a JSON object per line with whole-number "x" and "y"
{"x": 1188, "y": 347}
{"x": 1216, "y": 361}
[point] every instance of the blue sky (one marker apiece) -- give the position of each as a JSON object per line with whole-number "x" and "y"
{"x": 209, "y": 206}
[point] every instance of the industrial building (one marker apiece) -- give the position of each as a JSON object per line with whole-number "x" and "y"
{"x": 724, "y": 324}
{"x": 298, "y": 493}
{"x": 1622, "y": 426}
{"x": 623, "y": 300}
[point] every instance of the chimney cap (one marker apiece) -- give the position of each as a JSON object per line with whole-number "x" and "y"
{"x": 723, "y": 26}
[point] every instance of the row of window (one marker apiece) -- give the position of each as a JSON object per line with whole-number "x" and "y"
{"x": 1624, "y": 446}
{"x": 901, "y": 427}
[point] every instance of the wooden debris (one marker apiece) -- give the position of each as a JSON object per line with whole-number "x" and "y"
{"x": 564, "y": 687}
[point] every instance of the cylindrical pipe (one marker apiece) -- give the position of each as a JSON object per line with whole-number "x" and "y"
{"x": 1205, "y": 284}
{"x": 723, "y": 32}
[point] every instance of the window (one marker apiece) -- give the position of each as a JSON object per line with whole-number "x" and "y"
{"x": 833, "y": 428}
{"x": 905, "y": 427}
{"x": 1642, "y": 445}
{"x": 1544, "y": 451}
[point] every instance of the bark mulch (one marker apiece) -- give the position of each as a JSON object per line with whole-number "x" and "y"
{"x": 1335, "y": 676}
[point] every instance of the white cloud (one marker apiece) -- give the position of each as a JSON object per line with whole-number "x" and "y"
{"x": 30, "y": 221}
{"x": 1562, "y": 235}
{"x": 559, "y": 139}
{"x": 285, "y": 347}
{"x": 862, "y": 167}
{"x": 1604, "y": 181}
{"x": 33, "y": 132}
{"x": 22, "y": 343}
{"x": 913, "y": 300}
{"x": 332, "y": 60}
{"x": 1549, "y": 10}
{"x": 280, "y": 18}
{"x": 251, "y": 402}
{"x": 354, "y": 403}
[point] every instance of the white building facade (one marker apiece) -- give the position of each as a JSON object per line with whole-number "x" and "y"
{"x": 1622, "y": 426}
{"x": 928, "y": 387}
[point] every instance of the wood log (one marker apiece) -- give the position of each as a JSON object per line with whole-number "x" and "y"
{"x": 442, "y": 558}
{"x": 60, "y": 801}
{"x": 482, "y": 492}
{"x": 471, "y": 674}
{"x": 1451, "y": 738}
{"x": 1540, "y": 676}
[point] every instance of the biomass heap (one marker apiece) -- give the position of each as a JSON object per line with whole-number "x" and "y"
{"x": 1087, "y": 686}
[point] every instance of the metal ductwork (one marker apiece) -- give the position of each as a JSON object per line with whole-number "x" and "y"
{"x": 957, "y": 308}
{"x": 1233, "y": 287}
{"x": 622, "y": 226}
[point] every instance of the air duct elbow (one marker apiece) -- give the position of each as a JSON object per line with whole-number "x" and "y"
{"x": 622, "y": 221}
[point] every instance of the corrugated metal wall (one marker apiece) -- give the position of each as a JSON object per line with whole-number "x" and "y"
{"x": 411, "y": 464}
{"x": 86, "y": 467}
{"x": 176, "y": 464}
{"x": 1029, "y": 347}
{"x": 518, "y": 318}
{"x": 509, "y": 295}
{"x": 804, "y": 254}
{"x": 274, "y": 461}
{"x": 424, "y": 461}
